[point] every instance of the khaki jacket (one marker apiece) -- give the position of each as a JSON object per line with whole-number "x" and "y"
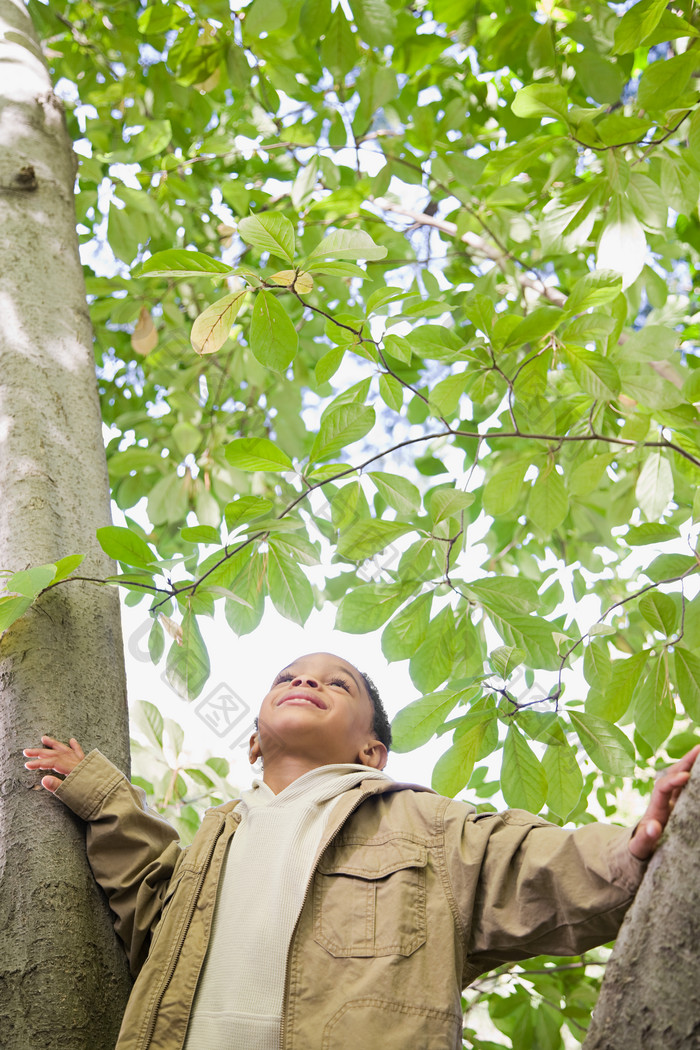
{"x": 412, "y": 896}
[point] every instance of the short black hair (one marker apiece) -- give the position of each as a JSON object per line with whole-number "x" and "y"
{"x": 381, "y": 727}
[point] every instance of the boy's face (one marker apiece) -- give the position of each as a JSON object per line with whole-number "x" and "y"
{"x": 319, "y": 710}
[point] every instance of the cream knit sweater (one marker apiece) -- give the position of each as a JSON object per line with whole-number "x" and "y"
{"x": 238, "y": 1002}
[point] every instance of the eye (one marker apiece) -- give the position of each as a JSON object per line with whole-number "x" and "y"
{"x": 283, "y": 676}
{"x": 342, "y": 683}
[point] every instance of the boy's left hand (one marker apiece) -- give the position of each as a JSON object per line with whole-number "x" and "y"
{"x": 663, "y": 798}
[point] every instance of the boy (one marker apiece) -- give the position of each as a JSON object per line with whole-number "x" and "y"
{"x": 330, "y": 907}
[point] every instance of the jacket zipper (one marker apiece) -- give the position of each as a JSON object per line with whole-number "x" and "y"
{"x": 285, "y": 1001}
{"x": 175, "y": 955}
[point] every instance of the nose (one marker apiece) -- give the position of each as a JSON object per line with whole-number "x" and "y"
{"x": 306, "y": 679}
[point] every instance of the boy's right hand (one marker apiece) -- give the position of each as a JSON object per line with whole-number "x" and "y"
{"x": 62, "y": 758}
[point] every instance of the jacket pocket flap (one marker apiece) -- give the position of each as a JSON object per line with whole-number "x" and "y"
{"x": 373, "y": 860}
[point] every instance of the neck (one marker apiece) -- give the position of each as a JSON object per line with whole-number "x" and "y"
{"x": 280, "y": 774}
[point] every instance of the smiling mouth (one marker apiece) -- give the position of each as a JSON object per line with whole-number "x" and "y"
{"x": 302, "y": 700}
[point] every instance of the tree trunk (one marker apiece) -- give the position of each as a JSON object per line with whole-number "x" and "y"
{"x": 650, "y": 999}
{"x": 63, "y": 975}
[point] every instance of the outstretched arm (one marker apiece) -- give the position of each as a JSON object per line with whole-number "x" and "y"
{"x": 663, "y": 798}
{"x": 133, "y": 853}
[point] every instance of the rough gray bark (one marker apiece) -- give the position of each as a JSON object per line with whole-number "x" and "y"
{"x": 650, "y": 999}
{"x": 63, "y": 976}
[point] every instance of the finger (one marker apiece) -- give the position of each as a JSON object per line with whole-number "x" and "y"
{"x": 77, "y": 748}
{"x": 50, "y": 783}
{"x": 58, "y": 745}
{"x": 645, "y": 839}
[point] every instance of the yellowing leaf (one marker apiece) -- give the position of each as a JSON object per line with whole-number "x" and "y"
{"x": 144, "y": 337}
{"x": 300, "y": 282}
{"x": 211, "y": 329}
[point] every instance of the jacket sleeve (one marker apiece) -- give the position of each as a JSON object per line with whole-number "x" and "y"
{"x": 133, "y": 852}
{"x": 525, "y": 887}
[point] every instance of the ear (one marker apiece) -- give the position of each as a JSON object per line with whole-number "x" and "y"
{"x": 254, "y": 752}
{"x": 374, "y": 754}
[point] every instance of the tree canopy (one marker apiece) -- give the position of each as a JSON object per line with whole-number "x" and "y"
{"x": 409, "y": 285}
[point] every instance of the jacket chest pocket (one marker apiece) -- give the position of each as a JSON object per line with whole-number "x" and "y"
{"x": 369, "y": 899}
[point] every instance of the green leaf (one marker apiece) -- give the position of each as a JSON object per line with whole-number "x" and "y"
{"x": 220, "y": 766}
{"x": 11, "y": 609}
{"x": 391, "y": 392}
{"x": 597, "y": 666}
{"x": 257, "y": 454}
{"x": 548, "y": 503}
{"x": 606, "y": 745}
{"x": 446, "y": 395}
{"x": 273, "y": 338}
{"x": 432, "y": 663}
{"x": 400, "y": 493}
{"x": 213, "y": 326}
{"x": 654, "y": 709}
{"x": 664, "y": 81}
{"x": 541, "y": 100}
{"x": 270, "y": 232}
{"x": 181, "y": 262}
{"x": 363, "y": 539}
{"x": 595, "y": 374}
{"x": 246, "y": 508}
{"x": 153, "y": 139}
{"x": 370, "y": 605}
{"x": 250, "y": 586}
{"x": 593, "y": 289}
{"x": 406, "y": 632}
{"x": 201, "y": 534}
{"x": 156, "y": 641}
{"x": 535, "y": 326}
{"x": 125, "y": 546}
{"x": 415, "y": 724}
{"x": 523, "y": 780}
{"x": 329, "y": 364}
{"x": 659, "y": 610}
{"x": 564, "y": 778}
{"x": 376, "y": 22}
{"x": 687, "y": 670}
{"x": 176, "y": 735}
{"x": 343, "y": 425}
{"x": 505, "y": 658}
{"x": 654, "y": 489}
{"x": 339, "y": 49}
{"x": 65, "y": 567}
{"x": 453, "y": 769}
{"x": 505, "y": 594}
{"x": 588, "y": 476}
{"x": 636, "y": 24}
{"x": 612, "y": 703}
{"x": 150, "y": 721}
{"x": 346, "y": 244}
{"x": 650, "y": 532}
{"x": 187, "y": 664}
{"x": 168, "y": 501}
{"x": 503, "y": 488}
{"x": 448, "y": 503}
{"x": 669, "y": 566}
{"x": 651, "y": 343}
{"x": 289, "y": 588}
{"x": 29, "y": 582}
